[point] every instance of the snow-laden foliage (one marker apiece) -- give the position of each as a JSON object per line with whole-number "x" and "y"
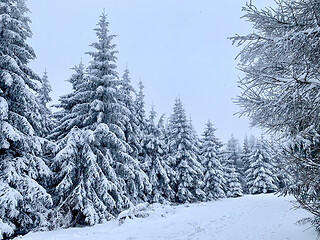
{"x": 87, "y": 189}
{"x": 44, "y": 91}
{"x": 102, "y": 104}
{"x": 140, "y": 106}
{"x": 280, "y": 60}
{"x": 73, "y": 105}
{"x": 248, "y": 146}
{"x": 185, "y": 161}
{"x": 261, "y": 174}
{"x": 133, "y": 131}
{"x": 282, "y": 165}
{"x": 5, "y": 229}
{"x": 155, "y": 162}
{"x": 245, "y": 154}
{"x": 106, "y": 104}
{"x": 214, "y": 175}
{"x": 105, "y": 155}
{"x": 137, "y": 211}
{"x": 43, "y": 96}
{"x": 24, "y": 203}
{"x": 231, "y": 158}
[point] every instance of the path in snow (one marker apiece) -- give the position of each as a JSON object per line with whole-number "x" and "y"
{"x": 261, "y": 217}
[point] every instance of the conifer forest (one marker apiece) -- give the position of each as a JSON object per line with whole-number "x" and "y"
{"x": 98, "y": 152}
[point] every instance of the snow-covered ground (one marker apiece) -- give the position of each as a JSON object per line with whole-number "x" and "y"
{"x": 248, "y": 218}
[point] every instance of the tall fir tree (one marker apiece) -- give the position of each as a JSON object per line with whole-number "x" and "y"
{"x": 44, "y": 91}
{"x": 188, "y": 179}
{"x": 232, "y": 156}
{"x": 24, "y": 203}
{"x": 133, "y": 132}
{"x": 245, "y": 154}
{"x": 98, "y": 104}
{"x": 261, "y": 174}
{"x": 156, "y": 164}
{"x": 44, "y": 98}
{"x": 214, "y": 175}
{"x": 140, "y": 106}
{"x": 142, "y": 124}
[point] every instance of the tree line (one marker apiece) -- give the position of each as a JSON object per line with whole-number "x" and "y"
{"x": 100, "y": 153}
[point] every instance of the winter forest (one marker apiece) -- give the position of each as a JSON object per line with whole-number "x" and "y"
{"x": 98, "y": 152}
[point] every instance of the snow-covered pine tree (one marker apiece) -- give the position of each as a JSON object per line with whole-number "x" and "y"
{"x": 164, "y": 137}
{"x": 214, "y": 175}
{"x": 140, "y": 107}
{"x": 195, "y": 137}
{"x": 107, "y": 106}
{"x": 261, "y": 174}
{"x": 44, "y": 91}
{"x": 142, "y": 124}
{"x": 194, "y": 133}
{"x": 98, "y": 105}
{"x": 132, "y": 126}
{"x": 163, "y": 126}
{"x": 44, "y": 98}
{"x": 185, "y": 161}
{"x": 231, "y": 158}
{"x": 156, "y": 164}
{"x": 24, "y": 203}
{"x": 245, "y": 154}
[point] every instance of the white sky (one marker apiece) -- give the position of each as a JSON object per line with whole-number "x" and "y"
{"x": 177, "y": 47}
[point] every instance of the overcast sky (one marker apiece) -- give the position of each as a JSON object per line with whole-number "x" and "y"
{"x": 177, "y": 47}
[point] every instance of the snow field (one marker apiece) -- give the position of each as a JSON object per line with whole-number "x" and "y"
{"x": 259, "y": 217}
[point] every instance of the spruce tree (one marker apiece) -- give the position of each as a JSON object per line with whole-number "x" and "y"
{"x": 245, "y": 154}
{"x": 24, "y": 203}
{"x": 214, "y": 175}
{"x": 44, "y": 91}
{"x": 261, "y": 174}
{"x": 139, "y": 104}
{"x": 98, "y": 104}
{"x": 140, "y": 107}
{"x": 188, "y": 180}
{"x": 132, "y": 128}
{"x": 232, "y": 156}
{"x": 107, "y": 106}
{"x": 44, "y": 98}
{"x": 156, "y": 164}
